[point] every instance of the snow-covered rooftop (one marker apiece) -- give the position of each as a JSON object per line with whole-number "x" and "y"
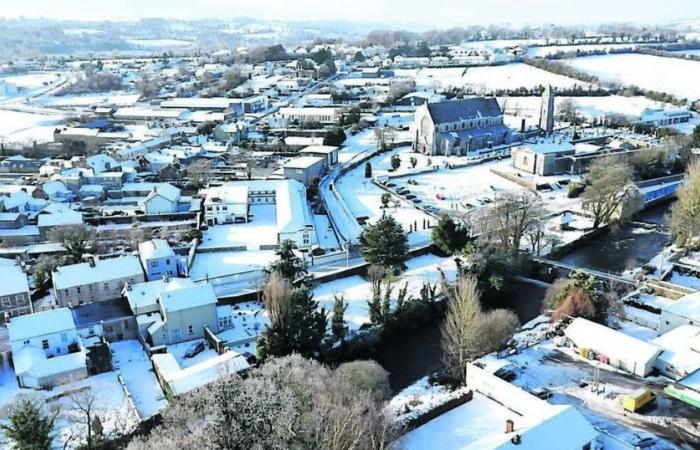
{"x": 155, "y": 248}
{"x": 105, "y": 270}
{"x": 40, "y": 324}
{"x": 14, "y": 281}
{"x": 188, "y": 297}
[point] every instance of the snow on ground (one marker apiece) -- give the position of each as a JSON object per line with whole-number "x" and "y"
{"x": 487, "y": 79}
{"x": 684, "y": 279}
{"x": 324, "y": 232}
{"x": 219, "y": 264}
{"x": 590, "y": 107}
{"x": 671, "y": 75}
{"x": 260, "y": 230}
{"x": 118, "y": 98}
{"x": 419, "y": 398}
{"x": 249, "y": 319}
{"x": 357, "y": 291}
{"x": 363, "y": 199}
{"x": 131, "y": 360}
{"x": 110, "y": 403}
{"x": 25, "y": 127}
{"x": 32, "y": 81}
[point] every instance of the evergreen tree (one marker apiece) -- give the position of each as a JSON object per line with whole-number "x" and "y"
{"x": 338, "y": 326}
{"x": 299, "y": 329}
{"x": 395, "y": 161}
{"x": 386, "y": 303}
{"x": 288, "y": 264}
{"x": 448, "y": 236}
{"x": 29, "y": 427}
{"x": 384, "y": 243}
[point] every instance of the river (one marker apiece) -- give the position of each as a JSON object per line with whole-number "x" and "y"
{"x": 410, "y": 356}
{"x": 624, "y": 248}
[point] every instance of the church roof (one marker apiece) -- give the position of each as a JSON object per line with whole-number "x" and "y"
{"x": 467, "y": 109}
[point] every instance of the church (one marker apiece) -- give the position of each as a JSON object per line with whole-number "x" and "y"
{"x": 460, "y": 127}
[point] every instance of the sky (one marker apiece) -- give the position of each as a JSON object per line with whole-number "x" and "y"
{"x": 436, "y": 13}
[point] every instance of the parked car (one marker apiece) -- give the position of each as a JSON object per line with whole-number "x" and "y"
{"x": 195, "y": 350}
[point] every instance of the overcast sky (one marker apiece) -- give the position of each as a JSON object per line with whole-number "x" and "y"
{"x": 426, "y": 12}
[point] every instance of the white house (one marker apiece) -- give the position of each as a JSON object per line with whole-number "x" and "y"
{"x": 143, "y": 298}
{"x": 158, "y": 259}
{"x": 163, "y": 199}
{"x": 660, "y": 117}
{"x": 46, "y": 349}
{"x": 95, "y": 280}
{"x": 184, "y": 313}
{"x": 228, "y": 204}
{"x": 622, "y": 351}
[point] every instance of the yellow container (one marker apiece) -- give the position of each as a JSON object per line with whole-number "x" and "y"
{"x": 584, "y": 352}
{"x": 637, "y": 399}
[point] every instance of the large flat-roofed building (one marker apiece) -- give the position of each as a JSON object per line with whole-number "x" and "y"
{"x": 228, "y": 106}
{"x": 96, "y": 280}
{"x": 328, "y": 152}
{"x": 302, "y": 116}
{"x": 304, "y": 169}
{"x": 293, "y": 216}
{"x": 546, "y": 158}
{"x": 460, "y": 127}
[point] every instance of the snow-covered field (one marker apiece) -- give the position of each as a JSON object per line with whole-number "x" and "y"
{"x": 591, "y": 107}
{"x": 32, "y": 81}
{"x": 219, "y": 264}
{"x": 26, "y": 128}
{"x": 117, "y": 98}
{"x": 487, "y": 79}
{"x": 670, "y": 75}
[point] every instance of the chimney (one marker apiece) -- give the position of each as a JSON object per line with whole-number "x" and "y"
{"x": 510, "y": 426}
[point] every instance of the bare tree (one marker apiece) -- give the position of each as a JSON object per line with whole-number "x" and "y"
{"x": 276, "y": 297}
{"x": 77, "y": 239}
{"x": 199, "y": 172}
{"x": 568, "y": 110}
{"x": 610, "y": 193}
{"x": 685, "y": 213}
{"x": 513, "y": 214}
{"x": 468, "y": 332}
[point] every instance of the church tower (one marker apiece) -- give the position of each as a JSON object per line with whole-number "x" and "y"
{"x": 547, "y": 111}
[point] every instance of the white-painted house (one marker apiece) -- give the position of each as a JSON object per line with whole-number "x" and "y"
{"x": 46, "y": 349}
{"x": 684, "y": 311}
{"x": 163, "y": 199}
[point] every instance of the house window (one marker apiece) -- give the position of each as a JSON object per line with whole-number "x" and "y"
{"x": 78, "y": 289}
{"x": 19, "y": 298}
{"x": 6, "y": 302}
{"x": 26, "y": 342}
{"x": 190, "y": 329}
{"x": 45, "y": 344}
{"x": 106, "y": 286}
{"x": 175, "y": 333}
{"x": 154, "y": 263}
{"x": 167, "y": 261}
